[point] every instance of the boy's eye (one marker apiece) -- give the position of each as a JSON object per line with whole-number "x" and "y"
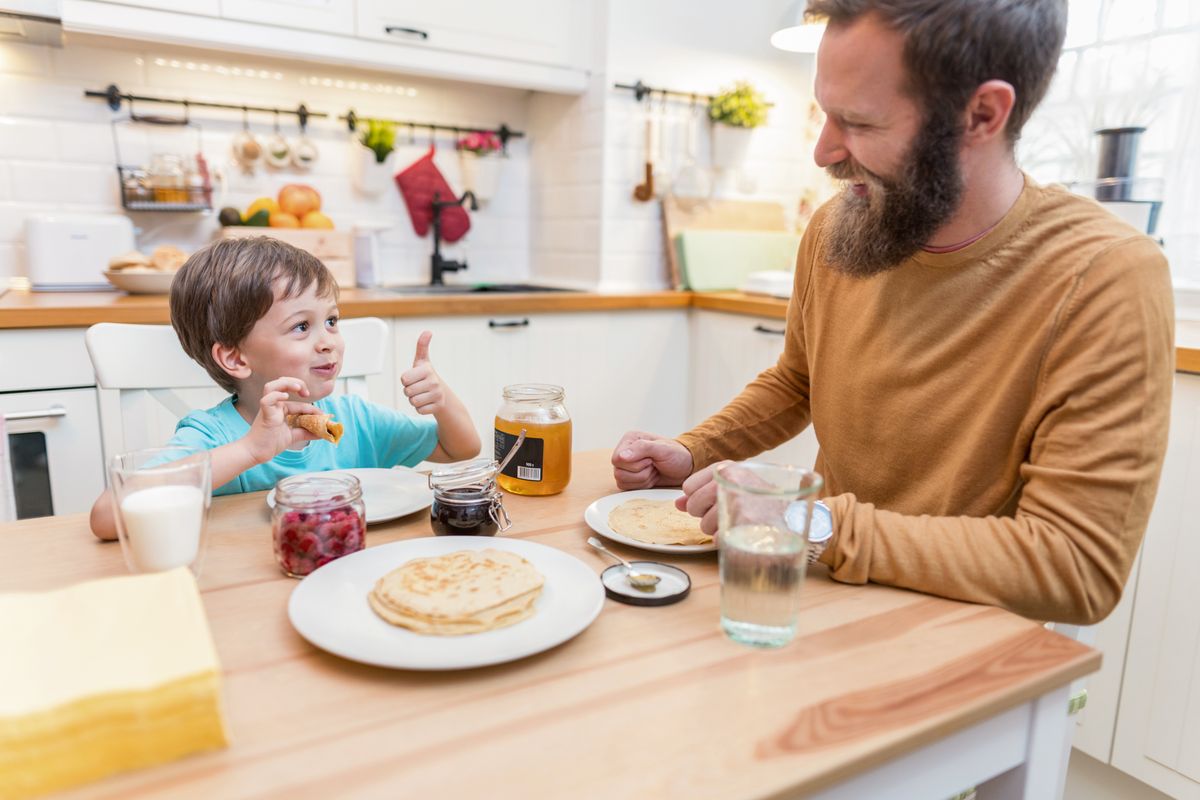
{"x": 301, "y": 327}
{"x": 332, "y": 322}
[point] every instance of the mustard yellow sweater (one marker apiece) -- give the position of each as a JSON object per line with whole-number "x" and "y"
{"x": 992, "y": 421}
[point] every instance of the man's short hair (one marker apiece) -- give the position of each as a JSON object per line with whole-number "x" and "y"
{"x": 226, "y": 287}
{"x": 953, "y": 46}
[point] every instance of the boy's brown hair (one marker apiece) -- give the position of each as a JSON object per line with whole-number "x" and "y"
{"x": 226, "y": 287}
{"x": 953, "y": 46}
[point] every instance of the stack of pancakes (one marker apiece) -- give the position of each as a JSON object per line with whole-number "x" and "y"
{"x": 468, "y": 591}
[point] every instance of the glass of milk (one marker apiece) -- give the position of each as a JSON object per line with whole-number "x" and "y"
{"x": 763, "y": 515}
{"x": 161, "y": 497}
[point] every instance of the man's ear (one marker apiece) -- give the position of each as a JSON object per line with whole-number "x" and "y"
{"x": 988, "y": 111}
{"x": 231, "y": 360}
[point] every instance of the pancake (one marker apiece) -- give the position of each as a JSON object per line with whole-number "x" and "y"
{"x": 319, "y": 425}
{"x": 656, "y": 522}
{"x": 467, "y": 591}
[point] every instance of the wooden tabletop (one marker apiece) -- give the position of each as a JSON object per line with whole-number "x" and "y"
{"x": 647, "y": 702}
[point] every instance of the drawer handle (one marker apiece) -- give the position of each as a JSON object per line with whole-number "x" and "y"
{"x": 392, "y": 30}
{"x": 772, "y": 331}
{"x": 45, "y": 413}
{"x": 523, "y": 323}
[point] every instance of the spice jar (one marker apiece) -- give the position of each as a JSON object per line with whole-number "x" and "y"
{"x": 167, "y": 179}
{"x": 466, "y": 501}
{"x": 543, "y": 464}
{"x": 317, "y": 517}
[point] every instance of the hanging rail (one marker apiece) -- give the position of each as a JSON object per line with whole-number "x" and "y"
{"x": 503, "y": 133}
{"x": 641, "y": 91}
{"x": 114, "y": 96}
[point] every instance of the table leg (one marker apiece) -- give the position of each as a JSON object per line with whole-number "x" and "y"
{"x": 1039, "y": 776}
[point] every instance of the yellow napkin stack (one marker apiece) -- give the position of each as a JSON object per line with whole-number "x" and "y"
{"x": 102, "y": 677}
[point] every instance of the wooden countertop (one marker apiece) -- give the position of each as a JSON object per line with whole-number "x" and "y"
{"x": 874, "y": 673}
{"x": 25, "y": 309}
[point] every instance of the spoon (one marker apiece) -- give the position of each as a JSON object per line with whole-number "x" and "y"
{"x": 638, "y": 580}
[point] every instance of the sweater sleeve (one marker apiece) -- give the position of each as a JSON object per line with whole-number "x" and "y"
{"x": 774, "y": 407}
{"x": 1089, "y": 479}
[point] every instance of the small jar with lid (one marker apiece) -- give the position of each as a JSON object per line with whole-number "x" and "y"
{"x": 167, "y": 178}
{"x": 542, "y": 466}
{"x": 466, "y": 501}
{"x": 317, "y": 517}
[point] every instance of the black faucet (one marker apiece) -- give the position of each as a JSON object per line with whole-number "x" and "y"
{"x": 437, "y": 264}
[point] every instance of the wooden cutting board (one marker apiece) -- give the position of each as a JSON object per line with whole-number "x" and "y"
{"x": 692, "y": 213}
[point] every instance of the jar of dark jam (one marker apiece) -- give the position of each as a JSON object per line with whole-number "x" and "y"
{"x": 466, "y": 501}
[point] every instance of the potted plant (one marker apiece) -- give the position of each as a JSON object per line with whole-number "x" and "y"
{"x": 735, "y": 114}
{"x": 481, "y": 155}
{"x": 372, "y": 155}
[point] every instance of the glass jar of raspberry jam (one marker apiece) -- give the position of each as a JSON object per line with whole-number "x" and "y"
{"x": 317, "y": 517}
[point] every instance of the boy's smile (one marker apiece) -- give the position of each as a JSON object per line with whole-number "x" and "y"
{"x": 297, "y": 338}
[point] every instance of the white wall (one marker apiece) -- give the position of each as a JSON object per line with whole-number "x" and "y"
{"x": 56, "y": 147}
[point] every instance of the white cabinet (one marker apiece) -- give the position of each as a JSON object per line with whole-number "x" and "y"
{"x": 727, "y": 352}
{"x": 621, "y": 370}
{"x": 208, "y": 8}
{"x": 327, "y": 16}
{"x": 539, "y": 31}
{"x": 1158, "y": 726}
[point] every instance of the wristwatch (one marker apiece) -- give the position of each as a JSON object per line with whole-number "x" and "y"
{"x": 820, "y": 531}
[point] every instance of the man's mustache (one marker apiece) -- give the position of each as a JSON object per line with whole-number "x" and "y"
{"x": 852, "y": 173}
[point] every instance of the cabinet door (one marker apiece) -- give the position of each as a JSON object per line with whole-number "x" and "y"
{"x": 1158, "y": 725}
{"x": 620, "y": 370}
{"x": 538, "y": 31}
{"x": 728, "y": 351}
{"x": 208, "y": 8}
{"x": 326, "y": 16}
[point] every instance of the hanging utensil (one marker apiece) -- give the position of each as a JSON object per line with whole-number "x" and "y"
{"x": 246, "y": 150}
{"x": 692, "y": 180}
{"x": 304, "y": 151}
{"x": 644, "y": 191}
{"x": 279, "y": 152}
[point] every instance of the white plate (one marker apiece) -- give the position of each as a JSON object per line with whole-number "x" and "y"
{"x": 387, "y": 493}
{"x": 596, "y": 516}
{"x": 141, "y": 282}
{"x": 329, "y": 608}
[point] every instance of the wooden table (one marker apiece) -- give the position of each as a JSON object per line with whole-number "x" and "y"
{"x": 885, "y": 693}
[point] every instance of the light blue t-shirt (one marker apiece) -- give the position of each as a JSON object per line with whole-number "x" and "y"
{"x": 373, "y": 436}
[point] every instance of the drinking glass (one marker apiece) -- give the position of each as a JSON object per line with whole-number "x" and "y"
{"x": 161, "y": 497}
{"x": 763, "y": 514}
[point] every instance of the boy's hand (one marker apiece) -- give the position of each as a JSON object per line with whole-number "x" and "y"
{"x": 422, "y": 385}
{"x": 270, "y": 434}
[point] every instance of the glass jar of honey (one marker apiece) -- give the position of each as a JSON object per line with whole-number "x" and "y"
{"x": 543, "y": 464}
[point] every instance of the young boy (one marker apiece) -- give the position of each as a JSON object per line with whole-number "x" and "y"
{"x": 261, "y": 317}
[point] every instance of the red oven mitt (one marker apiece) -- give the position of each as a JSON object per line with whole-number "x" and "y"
{"x": 418, "y": 182}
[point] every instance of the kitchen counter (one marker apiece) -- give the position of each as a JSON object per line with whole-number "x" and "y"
{"x": 881, "y": 684}
{"x": 26, "y": 309}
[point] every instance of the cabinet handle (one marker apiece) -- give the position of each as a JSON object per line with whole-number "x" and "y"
{"x": 392, "y": 30}
{"x": 772, "y": 331}
{"x": 45, "y": 413}
{"x": 523, "y": 323}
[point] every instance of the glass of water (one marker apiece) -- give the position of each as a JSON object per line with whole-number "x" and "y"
{"x": 763, "y": 513}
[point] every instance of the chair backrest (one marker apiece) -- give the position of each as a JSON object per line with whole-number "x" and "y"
{"x": 146, "y": 382}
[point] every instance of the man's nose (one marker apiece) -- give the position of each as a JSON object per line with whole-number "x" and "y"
{"x": 831, "y": 147}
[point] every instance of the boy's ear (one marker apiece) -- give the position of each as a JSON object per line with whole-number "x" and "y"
{"x": 230, "y": 359}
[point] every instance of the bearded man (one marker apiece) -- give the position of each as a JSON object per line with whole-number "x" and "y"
{"x": 987, "y": 362}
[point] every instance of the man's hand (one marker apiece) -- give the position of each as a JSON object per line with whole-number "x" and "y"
{"x": 270, "y": 434}
{"x": 700, "y": 497}
{"x": 643, "y": 460}
{"x": 422, "y": 385}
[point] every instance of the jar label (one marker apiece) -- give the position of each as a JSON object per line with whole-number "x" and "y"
{"x": 526, "y": 465}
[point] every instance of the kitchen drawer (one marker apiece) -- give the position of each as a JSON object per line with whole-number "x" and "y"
{"x": 44, "y": 358}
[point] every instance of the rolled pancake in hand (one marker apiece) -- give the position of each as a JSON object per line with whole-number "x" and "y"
{"x": 467, "y": 591}
{"x": 320, "y": 425}
{"x": 656, "y": 522}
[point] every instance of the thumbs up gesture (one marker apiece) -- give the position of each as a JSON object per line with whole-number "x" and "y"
{"x": 422, "y": 385}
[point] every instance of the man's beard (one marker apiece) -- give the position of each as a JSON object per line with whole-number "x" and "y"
{"x": 869, "y": 235}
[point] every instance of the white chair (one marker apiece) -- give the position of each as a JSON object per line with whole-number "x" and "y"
{"x": 147, "y": 383}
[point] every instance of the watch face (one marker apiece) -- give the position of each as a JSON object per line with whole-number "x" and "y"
{"x": 820, "y": 527}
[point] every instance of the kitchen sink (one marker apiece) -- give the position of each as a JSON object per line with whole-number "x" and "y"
{"x": 478, "y": 288}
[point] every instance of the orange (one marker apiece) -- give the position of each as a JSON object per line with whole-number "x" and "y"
{"x": 299, "y": 199}
{"x": 315, "y": 219}
{"x": 282, "y": 219}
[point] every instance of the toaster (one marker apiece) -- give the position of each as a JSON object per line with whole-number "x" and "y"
{"x": 70, "y": 252}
